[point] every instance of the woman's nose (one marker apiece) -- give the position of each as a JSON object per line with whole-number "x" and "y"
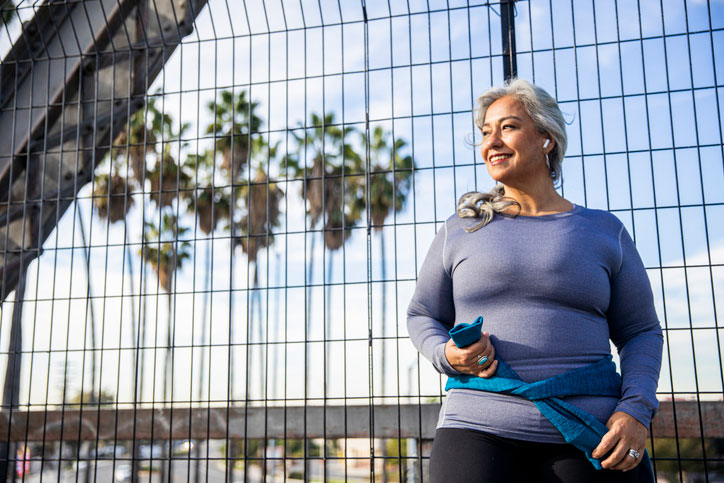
{"x": 492, "y": 139}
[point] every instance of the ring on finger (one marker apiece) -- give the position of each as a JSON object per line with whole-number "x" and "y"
{"x": 634, "y": 454}
{"x": 482, "y": 359}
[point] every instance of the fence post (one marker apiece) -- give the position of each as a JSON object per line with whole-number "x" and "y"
{"x": 507, "y": 34}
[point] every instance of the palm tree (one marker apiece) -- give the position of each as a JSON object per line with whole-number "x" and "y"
{"x": 251, "y": 206}
{"x": 343, "y": 213}
{"x": 129, "y": 170}
{"x": 323, "y": 189}
{"x": 138, "y": 139}
{"x": 328, "y": 193}
{"x": 328, "y": 145}
{"x": 168, "y": 180}
{"x": 161, "y": 246}
{"x": 390, "y": 180}
{"x": 92, "y": 328}
{"x": 129, "y": 153}
{"x": 210, "y": 205}
{"x": 262, "y": 200}
{"x": 110, "y": 197}
{"x": 235, "y": 123}
{"x": 261, "y": 215}
{"x": 112, "y": 201}
{"x": 166, "y": 254}
{"x": 391, "y": 176}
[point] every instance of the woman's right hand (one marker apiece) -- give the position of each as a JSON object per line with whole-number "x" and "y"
{"x": 465, "y": 360}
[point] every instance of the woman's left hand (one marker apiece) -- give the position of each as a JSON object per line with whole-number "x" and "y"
{"x": 624, "y": 434}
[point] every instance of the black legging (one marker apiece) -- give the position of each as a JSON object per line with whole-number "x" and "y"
{"x": 467, "y": 456}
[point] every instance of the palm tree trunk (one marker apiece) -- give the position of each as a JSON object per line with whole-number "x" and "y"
{"x": 167, "y": 377}
{"x": 328, "y": 321}
{"x": 231, "y": 446}
{"x": 383, "y": 273}
{"x": 11, "y": 388}
{"x": 310, "y": 279}
{"x": 254, "y": 309}
{"x": 202, "y": 370}
{"x": 256, "y": 303}
{"x": 136, "y": 463}
{"x": 275, "y": 356}
{"x": 89, "y": 308}
{"x": 89, "y": 298}
{"x": 308, "y": 321}
{"x": 307, "y": 331}
{"x": 165, "y": 453}
{"x": 134, "y": 335}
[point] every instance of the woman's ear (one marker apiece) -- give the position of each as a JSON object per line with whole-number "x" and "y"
{"x": 548, "y": 145}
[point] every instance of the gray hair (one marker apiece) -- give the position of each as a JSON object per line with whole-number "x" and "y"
{"x": 547, "y": 117}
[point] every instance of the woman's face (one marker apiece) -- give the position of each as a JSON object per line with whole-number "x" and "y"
{"x": 512, "y": 146}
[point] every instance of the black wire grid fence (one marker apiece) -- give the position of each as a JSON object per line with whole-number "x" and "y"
{"x": 213, "y": 214}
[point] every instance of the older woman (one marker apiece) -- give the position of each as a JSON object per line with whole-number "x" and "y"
{"x": 554, "y": 283}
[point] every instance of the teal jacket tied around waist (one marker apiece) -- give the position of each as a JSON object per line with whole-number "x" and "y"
{"x": 577, "y": 427}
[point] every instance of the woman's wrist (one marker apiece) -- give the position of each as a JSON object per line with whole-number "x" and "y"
{"x": 445, "y": 367}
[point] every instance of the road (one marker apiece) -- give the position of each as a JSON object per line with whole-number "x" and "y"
{"x": 215, "y": 472}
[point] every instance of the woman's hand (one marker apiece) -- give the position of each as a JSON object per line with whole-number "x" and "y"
{"x": 624, "y": 433}
{"x": 466, "y": 360}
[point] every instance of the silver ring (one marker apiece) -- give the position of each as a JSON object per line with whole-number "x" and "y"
{"x": 482, "y": 359}
{"x": 634, "y": 454}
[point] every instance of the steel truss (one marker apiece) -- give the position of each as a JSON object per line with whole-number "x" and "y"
{"x": 72, "y": 80}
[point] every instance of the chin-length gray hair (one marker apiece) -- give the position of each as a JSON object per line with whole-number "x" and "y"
{"x": 547, "y": 117}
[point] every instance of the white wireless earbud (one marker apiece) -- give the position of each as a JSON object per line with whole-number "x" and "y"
{"x": 545, "y": 145}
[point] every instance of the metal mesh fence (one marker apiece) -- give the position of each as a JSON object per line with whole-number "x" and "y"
{"x": 213, "y": 216}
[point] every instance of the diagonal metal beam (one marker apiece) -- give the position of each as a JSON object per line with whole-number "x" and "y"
{"x": 73, "y": 78}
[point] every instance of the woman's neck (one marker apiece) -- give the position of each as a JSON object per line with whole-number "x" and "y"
{"x": 539, "y": 201}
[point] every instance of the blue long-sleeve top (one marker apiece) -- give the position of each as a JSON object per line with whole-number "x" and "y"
{"x": 554, "y": 290}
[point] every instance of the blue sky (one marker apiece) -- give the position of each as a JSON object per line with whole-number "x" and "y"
{"x": 653, "y": 141}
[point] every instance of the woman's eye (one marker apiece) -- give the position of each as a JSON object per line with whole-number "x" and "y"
{"x": 508, "y": 126}
{"x": 485, "y": 133}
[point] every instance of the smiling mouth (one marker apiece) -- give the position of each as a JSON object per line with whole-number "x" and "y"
{"x": 499, "y": 158}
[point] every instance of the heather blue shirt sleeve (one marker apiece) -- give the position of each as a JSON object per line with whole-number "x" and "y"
{"x": 636, "y": 332}
{"x": 431, "y": 313}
